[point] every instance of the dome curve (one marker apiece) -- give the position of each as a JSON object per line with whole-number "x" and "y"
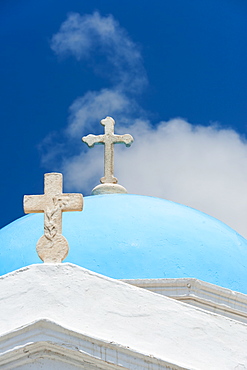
{"x": 131, "y": 236}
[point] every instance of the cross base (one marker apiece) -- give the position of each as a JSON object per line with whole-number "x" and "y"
{"x": 109, "y": 189}
{"x": 53, "y": 250}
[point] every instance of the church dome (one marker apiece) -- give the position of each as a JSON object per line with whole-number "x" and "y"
{"x": 131, "y": 236}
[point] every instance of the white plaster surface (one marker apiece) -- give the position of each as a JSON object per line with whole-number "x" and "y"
{"x": 43, "y": 341}
{"x": 121, "y": 314}
{"x": 47, "y": 363}
{"x": 198, "y": 293}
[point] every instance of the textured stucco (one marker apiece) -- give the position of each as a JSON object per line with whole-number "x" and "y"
{"x": 119, "y": 313}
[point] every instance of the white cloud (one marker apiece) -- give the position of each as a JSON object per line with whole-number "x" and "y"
{"x": 89, "y": 37}
{"x": 202, "y": 167}
{"x": 106, "y": 44}
{"x": 89, "y": 109}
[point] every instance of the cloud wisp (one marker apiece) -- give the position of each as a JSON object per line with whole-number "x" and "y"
{"x": 109, "y": 50}
{"x": 118, "y": 57}
{"x": 202, "y": 167}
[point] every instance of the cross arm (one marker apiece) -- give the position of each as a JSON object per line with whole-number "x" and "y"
{"x": 70, "y": 202}
{"x": 127, "y": 139}
{"x": 33, "y": 203}
{"x": 91, "y": 140}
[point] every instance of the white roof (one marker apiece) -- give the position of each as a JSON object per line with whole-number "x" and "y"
{"x": 125, "y": 318}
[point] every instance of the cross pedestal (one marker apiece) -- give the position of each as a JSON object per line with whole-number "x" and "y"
{"x": 52, "y": 246}
{"x": 108, "y": 181}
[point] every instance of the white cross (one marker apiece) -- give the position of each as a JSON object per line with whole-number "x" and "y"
{"x": 108, "y": 139}
{"x": 52, "y": 246}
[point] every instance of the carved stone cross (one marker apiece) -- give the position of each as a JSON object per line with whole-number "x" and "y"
{"x": 108, "y": 139}
{"x": 52, "y": 246}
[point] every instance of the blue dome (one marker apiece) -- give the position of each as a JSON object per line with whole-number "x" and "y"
{"x": 132, "y": 236}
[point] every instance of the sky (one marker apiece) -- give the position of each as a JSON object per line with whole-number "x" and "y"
{"x": 171, "y": 73}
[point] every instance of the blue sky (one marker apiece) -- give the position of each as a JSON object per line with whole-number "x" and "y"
{"x": 172, "y": 73}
